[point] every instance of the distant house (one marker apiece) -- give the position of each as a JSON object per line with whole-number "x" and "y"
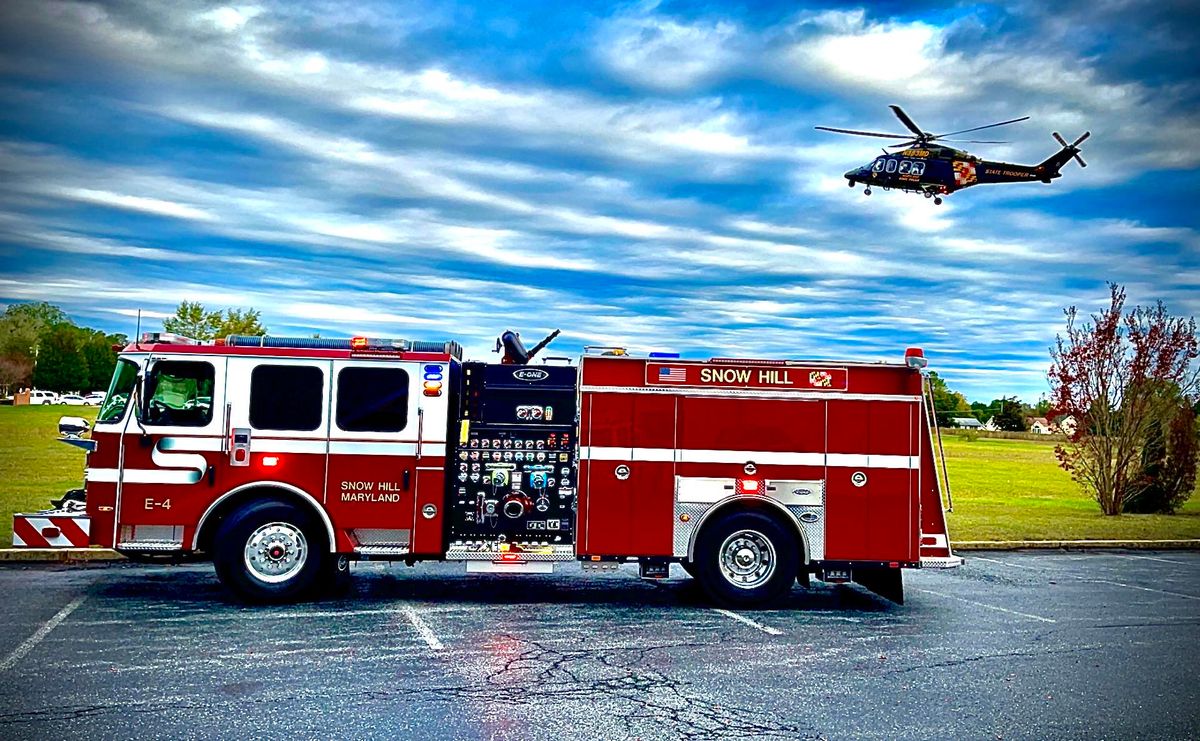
{"x": 991, "y": 425}
{"x": 966, "y": 422}
{"x": 1041, "y": 426}
{"x": 1062, "y": 425}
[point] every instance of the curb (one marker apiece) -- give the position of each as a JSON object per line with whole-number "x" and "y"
{"x": 59, "y": 555}
{"x": 1073, "y": 545}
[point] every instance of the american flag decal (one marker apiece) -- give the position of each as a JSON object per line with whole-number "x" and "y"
{"x": 671, "y": 374}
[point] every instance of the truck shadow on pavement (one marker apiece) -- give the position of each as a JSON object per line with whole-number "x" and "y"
{"x": 195, "y": 585}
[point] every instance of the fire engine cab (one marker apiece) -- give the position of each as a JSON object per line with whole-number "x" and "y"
{"x": 284, "y": 459}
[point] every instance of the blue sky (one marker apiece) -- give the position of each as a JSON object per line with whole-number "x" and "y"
{"x": 640, "y": 174}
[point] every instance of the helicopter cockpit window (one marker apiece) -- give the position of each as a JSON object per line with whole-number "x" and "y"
{"x": 905, "y": 166}
{"x": 918, "y": 168}
{"x": 878, "y": 166}
{"x": 891, "y": 165}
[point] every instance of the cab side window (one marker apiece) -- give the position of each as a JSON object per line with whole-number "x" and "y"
{"x": 286, "y": 397}
{"x": 372, "y": 399}
{"x": 179, "y": 394}
{"x": 891, "y": 165}
{"x": 905, "y": 167}
{"x": 878, "y": 166}
{"x": 918, "y": 168}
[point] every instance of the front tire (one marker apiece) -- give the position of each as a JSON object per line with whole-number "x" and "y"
{"x": 269, "y": 551}
{"x": 746, "y": 559}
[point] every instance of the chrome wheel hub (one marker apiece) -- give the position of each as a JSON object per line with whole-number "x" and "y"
{"x": 276, "y": 552}
{"x": 747, "y": 559}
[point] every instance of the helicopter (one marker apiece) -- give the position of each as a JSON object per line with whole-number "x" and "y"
{"x": 924, "y": 166}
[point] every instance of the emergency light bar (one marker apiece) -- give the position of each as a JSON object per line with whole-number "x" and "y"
{"x": 167, "y": 338}
{"x": 360, "y": 344}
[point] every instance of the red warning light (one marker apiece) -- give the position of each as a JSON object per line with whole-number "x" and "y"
{"x": 748, "y": 486}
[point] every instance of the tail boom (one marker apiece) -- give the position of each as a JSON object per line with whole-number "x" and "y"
{"x": 1045, "y": 171}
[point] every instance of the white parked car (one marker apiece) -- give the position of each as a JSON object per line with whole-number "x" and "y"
{"x": 94, "y": 399}
{"x": 42, "y": 397}
{"x": 72, "y": 400}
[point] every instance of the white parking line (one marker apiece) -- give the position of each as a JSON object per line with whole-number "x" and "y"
{"x": 1005, "y": 563}
{"x": 422, "y": 628}
{"x": 743, "y": 619}
{"x": 1144, "y": 589}
{"x": 990, "y": 607}
{"x": 1150, "y": 558}
{"x": 33, "y": 640}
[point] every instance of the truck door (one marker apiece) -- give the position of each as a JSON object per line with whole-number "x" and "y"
{"x": 379, "y": 474}
{"x": 169, "y": 452}
{"x": 278, "y": 424}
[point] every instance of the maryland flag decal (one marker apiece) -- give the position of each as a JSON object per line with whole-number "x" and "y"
{"x": 964, "y": 173}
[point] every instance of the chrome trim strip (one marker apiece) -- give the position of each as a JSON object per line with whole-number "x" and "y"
{"x": 691, "y": 548}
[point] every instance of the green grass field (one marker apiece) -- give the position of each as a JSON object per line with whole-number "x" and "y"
{"x": 1003, "y": 489}
{"x": 1014, "y": 490}
{"x": 34, "y": 466}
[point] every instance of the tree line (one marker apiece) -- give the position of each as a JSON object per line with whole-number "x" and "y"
{"x": 41, "y": 347}
{"x": 1007, "y": 412}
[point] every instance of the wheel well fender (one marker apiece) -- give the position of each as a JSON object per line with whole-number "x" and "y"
{"x": 766, "y": 505}
{"x": 237, "y": 497}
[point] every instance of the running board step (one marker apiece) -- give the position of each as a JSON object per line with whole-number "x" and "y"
{"x": 382, "y": 550}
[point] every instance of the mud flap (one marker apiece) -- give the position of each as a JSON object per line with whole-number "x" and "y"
{"x": 887, "y": 583}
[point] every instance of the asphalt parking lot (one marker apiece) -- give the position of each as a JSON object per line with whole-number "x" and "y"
{"x": 1014, "y": 645}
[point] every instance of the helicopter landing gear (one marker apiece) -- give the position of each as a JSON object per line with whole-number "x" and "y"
{"x": 850, "y": 183}
{"x": 937, "y": 201}
{"x": 867, "y": 191}
{"x": 928, "y": 194}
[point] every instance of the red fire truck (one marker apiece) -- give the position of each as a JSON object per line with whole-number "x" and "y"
{"x": 285, "y": 459}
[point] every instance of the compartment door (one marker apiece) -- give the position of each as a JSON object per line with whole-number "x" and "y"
{"x": 374, "y": 438}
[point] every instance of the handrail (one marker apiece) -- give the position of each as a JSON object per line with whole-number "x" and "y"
{"x": 941, "y": 475}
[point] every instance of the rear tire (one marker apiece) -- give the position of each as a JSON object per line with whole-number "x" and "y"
{"x": 746, "y": 559}
{"x": 270, "y": 551}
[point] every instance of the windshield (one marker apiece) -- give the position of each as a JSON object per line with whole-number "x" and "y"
{"x": 123, "y": 381}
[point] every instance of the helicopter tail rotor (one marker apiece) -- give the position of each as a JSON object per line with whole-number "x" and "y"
{"x": 1073, "y": 145}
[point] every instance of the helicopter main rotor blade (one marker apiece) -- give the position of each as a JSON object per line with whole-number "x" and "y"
{"x": 904, "y": 119}
{"x": 981, "y": 128}
{"x": 862, "y": 133}
{"x": 974, "y": 141}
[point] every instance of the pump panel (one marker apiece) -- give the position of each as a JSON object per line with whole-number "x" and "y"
{"x": 512, "y": 475}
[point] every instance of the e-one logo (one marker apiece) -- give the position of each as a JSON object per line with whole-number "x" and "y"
{"x": 530, "y": 374}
